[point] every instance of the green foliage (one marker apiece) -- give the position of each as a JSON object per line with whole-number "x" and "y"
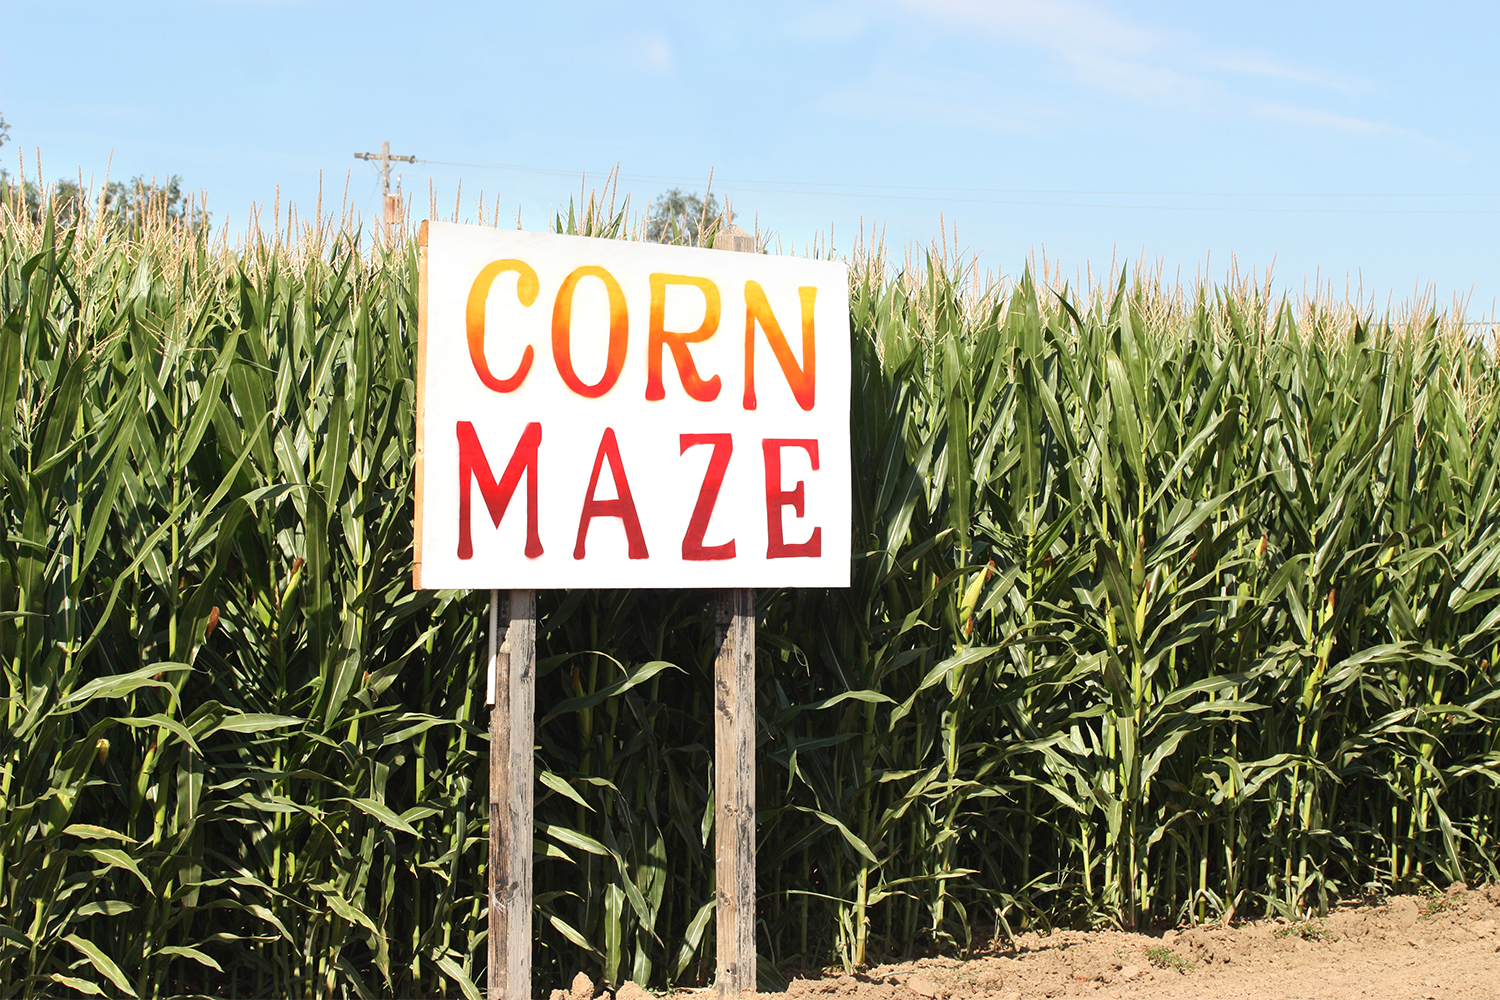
{"x": 1162, "y": 608}
{"x": 1165, "y": 958}
{"x": 219, "y": 768}
{"x": 1307, "y": 930}
{"x": 1435, "y": 900}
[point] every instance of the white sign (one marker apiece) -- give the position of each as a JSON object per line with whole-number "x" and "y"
{"x": 601, "y": 413}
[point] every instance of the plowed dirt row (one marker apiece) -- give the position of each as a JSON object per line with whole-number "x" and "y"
{"x": 1407, "y": 948}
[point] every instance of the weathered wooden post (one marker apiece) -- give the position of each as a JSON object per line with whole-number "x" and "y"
{"x": 734, "y": 763}
{"x": 512, "y": 681}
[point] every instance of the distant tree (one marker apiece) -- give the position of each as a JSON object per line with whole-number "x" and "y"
{"x": 134, "y": 201}
{"x": 684, "y": 218}
{"x": 131, "y": 202}
{"x": 7, "y": 189}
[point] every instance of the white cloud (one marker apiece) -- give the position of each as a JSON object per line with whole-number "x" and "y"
{"x": 1255, "y": 65}
{"x": 1102, "y": 50}
{"x": 1140, "y": 79}
{"x": 1072, "y": 28}
{"x": 1325, "y": 120}
{"x": 895, "y": 99}
{"x": 828, "y": 24}
{"x": 654, "y": 52}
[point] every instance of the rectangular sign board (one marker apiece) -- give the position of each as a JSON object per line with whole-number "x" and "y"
{"x": 608, "y": 414}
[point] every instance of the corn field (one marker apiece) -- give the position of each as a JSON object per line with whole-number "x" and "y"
{"x": 1168, "y": 606}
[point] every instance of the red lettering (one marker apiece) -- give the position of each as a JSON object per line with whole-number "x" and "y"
{"x": 802, "y": 378}
{"x": 623, "y": 507}
{"x": 697, "y": 388}
{"x": 777, "y": 498}
{"x": 693, "y": 548}
{"x": 471, "y": 462}
{"x": 526, "y": 289}
{"x": 562, "y": 331}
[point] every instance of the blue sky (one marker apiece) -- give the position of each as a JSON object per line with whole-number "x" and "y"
{"x": 1356, "y": 142}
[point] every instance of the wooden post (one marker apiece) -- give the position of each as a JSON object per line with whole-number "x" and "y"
{"x": 734, "y": 763}
{"x": 734, "y": 789}
{"x": 512, "y": 799}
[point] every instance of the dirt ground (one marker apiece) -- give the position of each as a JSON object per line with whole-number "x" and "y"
{"x": 1407, "y": 948}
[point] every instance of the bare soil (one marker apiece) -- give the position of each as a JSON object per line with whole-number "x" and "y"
{"x": 1407, "y": 948}
{"x": 1440, "y": 947}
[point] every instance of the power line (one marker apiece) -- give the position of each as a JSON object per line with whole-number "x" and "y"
{"x": 853, "y": 190}
{"x": 1149, "y": 208}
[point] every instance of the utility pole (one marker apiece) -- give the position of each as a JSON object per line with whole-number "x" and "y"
{"x": 391, "y": 202}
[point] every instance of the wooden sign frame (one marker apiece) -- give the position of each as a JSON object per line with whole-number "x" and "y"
{"x": 511, "y": 679}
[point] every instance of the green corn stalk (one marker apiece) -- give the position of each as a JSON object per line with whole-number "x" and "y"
{"x": 1166, "y": 604}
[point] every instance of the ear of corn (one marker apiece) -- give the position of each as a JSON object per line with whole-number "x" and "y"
{"x": 1164, "y": 606}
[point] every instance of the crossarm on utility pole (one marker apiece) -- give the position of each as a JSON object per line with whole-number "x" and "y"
{"x": 388, "y": 204}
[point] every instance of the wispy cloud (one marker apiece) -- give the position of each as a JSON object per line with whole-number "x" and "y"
{"x": 1066, "y": 26}
{"x": 896, "y": 98}
{"x": 835, "y": 23}
{"x": 1255, "y": 65}
{"x": 1100, "y": 49}
{"x": 1325, "y": 120}
{"x": 654, "y": 53}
